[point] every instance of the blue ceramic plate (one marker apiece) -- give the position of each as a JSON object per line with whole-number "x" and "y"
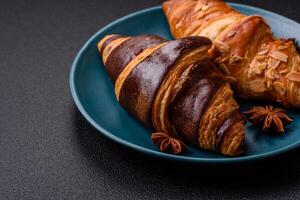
{"x": 94, "y": 95}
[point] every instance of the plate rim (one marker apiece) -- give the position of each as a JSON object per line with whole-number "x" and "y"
{"x": 158, "y": 154}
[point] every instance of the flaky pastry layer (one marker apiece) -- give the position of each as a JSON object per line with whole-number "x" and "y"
{"x": 223, "y": 104}
{"x": 170, "y": 86}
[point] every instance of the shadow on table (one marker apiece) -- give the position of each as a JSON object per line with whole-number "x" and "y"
{"x": 124, "y": 166}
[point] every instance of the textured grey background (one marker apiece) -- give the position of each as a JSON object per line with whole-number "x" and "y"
{"x": 48, "y": 151}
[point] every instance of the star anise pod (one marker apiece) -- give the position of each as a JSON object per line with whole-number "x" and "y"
{"x": 269, "y": 118}
{"x": 166, "y": 143}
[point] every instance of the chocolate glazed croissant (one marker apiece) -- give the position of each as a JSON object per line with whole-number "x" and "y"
{"x": 264, "y": 67}
{"x": 173, "y": 88}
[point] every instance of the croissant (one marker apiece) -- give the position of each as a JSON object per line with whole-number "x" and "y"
{"x": 172, "y": 87}
{"x": 263, "y": 66}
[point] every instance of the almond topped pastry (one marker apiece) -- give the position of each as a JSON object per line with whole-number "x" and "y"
{"x": 244, "y": 47}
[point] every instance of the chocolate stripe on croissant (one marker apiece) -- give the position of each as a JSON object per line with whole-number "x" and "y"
{"x": 233, "y": 140}
{"x": 128, "y": 50}
{"x": 110, "y": 47}
{"x": 106, "y": 40}
{"x": 131, "y": 65}
{"x": 139, "y": 88}
{"x": 173, "y": 82}
{"x": 244, "y": 47}
{"x": 229, "y": 122}
{"x": 192, "y": 101}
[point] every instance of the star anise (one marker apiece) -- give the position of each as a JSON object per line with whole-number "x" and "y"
{"x": 166, "y": 143}
{"x": 269, "y": 118}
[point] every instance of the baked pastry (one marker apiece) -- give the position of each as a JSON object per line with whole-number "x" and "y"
{"x": 264, "y": 67}
{"x": 172, "y": 87}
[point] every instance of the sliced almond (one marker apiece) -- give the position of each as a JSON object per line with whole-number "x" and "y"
{"x": 231, "y": 33}
{"x": 272, "y": 63}
{"x": 260, "y": 58}
{"x": 262, "y": 66}
{"x": 279, "y": 87}
{"x": 205, "y": 7}
{"x": 265, "y": 46}
{"x": 282, "y": 47}
{"x": 198, "y": 6}
{"x": 279, "y": 56}
{"x": 221, "y": 46}
{"x": 293, "y": 76}
{"x": 200, "y": 14}
{"x": 269, "y": 84}
{"x": 271, "y": 74}
{"x": 253, "y": 66}
{"x": 257, "y": 67}
{"x": 178, "y": 25}
{"x": 263, "y": 52}
{"x": 257, "y": 86}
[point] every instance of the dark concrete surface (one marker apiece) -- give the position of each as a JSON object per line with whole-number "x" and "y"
{"x": 49, "y": 151}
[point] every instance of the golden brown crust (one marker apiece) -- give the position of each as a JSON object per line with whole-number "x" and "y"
{"x": 240, "y": 45}
{"x": 222, "y": 105}
{"x": 244, "y": 47}
{"x": 174, "y": 88}
{"x": 187, "y": 16}
{"x": 233, "y": 142}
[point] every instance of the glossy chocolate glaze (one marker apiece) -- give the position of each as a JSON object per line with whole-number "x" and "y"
{"x": 194, "y": 98}
{"x": 233, "y": 118}
{"x": 128, "y": 50}
{"x": 109, "y": 40}
{"x": 139, "y": 89}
